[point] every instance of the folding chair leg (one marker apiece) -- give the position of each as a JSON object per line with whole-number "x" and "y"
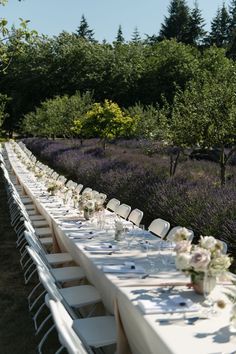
{"x": 35, "y": 317}
{"x": 43, "y": 323}
{"x": 32, "y": 292}
{"x": 36, "y": 300}
{"x": 40, "y": 346}
{"x": 60, "y": 350}
{"x": 28, "y": 270}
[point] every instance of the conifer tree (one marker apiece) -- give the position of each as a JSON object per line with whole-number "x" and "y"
{"x": 136, "y": 38}
{"x": 176, "y": 25}
{"x": 220, "y": 24}
{"x": 232, "y": 30}
{"x": 84, "y": 31}
{"x": 119, "y": 37}
{"x": 196, "y": 30}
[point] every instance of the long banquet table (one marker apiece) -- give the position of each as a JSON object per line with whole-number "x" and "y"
{"x": 138, "y": 333}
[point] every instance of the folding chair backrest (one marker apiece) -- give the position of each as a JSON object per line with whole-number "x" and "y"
{"x": 135, "y": 216}
{"x": 113, "y": 204}
{"x": 66, "y": 334}
{"x": 48, "y": 283}
{"x": 159, "y": 227}
{"x": 38, "y": 261}
{"x": 123, "y": 210}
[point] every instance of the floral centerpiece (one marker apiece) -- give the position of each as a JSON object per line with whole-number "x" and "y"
{"x": 89, "y": 203}
{"x": 206, "y": 257}
{"x": 53, "y": 187}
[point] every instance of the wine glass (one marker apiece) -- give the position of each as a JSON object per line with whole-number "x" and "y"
{"x": 208, "y": 285}
{"x": 129, "y": 236}
{"x": 150, "y": 256}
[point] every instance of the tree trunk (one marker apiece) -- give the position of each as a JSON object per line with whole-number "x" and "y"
{"x": 222, "y": 167}
{"x": 174, "y": 162}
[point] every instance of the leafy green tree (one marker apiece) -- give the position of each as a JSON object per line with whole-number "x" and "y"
{"x": 107, "y": 121}
{"x": 168, "y": 65}
{"x": 84, "y": 31}
{"x": 176, "y": 25}
{"x": 204, "y": 114}
{"x": 119, "y": 37}
{"x": 219, "y": 34}
{"x": 152, "y": 121}
{"x": 55, "y": 117}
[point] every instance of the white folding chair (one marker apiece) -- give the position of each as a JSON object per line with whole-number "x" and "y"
{"x": 123, "y": 210}
{"x": 113, "y": 204}
{"x": 159, "y": 227}
{"x": 61, "y": 275}
{"x": 79, "y": 336}
{"x": 135, "y": 216}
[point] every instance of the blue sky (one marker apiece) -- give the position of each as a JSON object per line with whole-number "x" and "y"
{"x": 104, "y": 16}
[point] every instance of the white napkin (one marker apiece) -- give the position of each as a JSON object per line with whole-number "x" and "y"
{"x": 102, "y": 247}
{"x": 86, "y": 235}
{"x": 69, "y": 224}
{"x": 174, "y": 303}
{"x": 127, "y": 267}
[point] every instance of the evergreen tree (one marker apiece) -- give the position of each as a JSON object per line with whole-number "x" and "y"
{"x": 119, "y": 37}
{"x": 84, "y": 31}
{"x": 176, "y": 25}
{"x": 136, "y": 36}
{"x": 231, "y": 52}
{"x": 232, "y": 14}
{"x": 219, "y": 34}
{"x": 196, "y": 30}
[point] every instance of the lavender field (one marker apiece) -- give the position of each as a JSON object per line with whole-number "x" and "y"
{"x": 137, "y": 173}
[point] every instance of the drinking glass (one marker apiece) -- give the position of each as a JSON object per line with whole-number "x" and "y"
{"x": 129, "y": 236}
{"x": 208, "y": 285}
{"x": 150, "y": 256}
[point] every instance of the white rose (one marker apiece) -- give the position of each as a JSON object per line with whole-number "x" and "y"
{"x": 219, "y": 264}
{"x": 182, "y": 234}
{"x": 200, "y": 259}
{"x": 183, "y": 247}
{"x": 208, "y": 242}
{"x": 182, "y": 261}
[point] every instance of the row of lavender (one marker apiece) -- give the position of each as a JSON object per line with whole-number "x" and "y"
{"x": 192, "y": 198}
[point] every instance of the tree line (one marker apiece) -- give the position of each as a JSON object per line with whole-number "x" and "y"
{"x": 168, "y": 87}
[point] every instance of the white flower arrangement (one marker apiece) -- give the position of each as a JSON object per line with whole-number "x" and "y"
{"x": 53, "y": 187}
{"x": 182, "y": 234}
{"x": 205, "y": 257}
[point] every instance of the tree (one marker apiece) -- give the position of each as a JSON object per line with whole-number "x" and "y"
{"x": 196, "y": 25}
{"x": 55, "y": 117}
{"x": 220, "y": 24}
{"x": 136, "y": 36}
{"x": 231, "y": 50}
{"x": 204, "y": 114}
{"x": 168, "y": 65}
{"x": 176, "y": 25}
{"x": 107, "y": 121}
{"x": 119, "y": 37}
{"x": 84, "y": 31}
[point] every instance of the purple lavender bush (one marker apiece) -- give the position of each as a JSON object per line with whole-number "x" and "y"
{"x": 192, "y": 198}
